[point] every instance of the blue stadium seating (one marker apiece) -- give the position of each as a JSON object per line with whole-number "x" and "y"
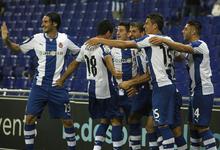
{"x": 79, "y": 21}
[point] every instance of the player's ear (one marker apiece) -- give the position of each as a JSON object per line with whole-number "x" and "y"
{"x": 55, "y": 24}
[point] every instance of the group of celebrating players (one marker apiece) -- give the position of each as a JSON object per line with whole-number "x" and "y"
{"x": 128, "y": 78}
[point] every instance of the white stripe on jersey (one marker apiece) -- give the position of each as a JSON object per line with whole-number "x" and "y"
{"x": 158, "y": 60}
{"x": 96, "y": 69}
{"x": 199, "y": 68}
{"x": 51, "y": 54}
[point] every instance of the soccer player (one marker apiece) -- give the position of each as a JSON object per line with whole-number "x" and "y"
{"x": 156, "y": 140}
{"x": 125, "y": 60}
{"x": 163, "y": 96}
{"x": 202, "y": 91}
{"x": 50, "y": 48}
{"x": 142, "y": 105}
{"x": 103, "y": 98}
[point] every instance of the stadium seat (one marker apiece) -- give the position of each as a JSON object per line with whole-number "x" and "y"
{"x": 8, "y": 82}
{"x": 22, "y": 83}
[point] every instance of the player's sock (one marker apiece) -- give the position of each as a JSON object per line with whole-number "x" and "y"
{"x": 195, "y": 140}
{"x": 29, "y": 135}
{"x": 208, "y": 140}
{"x": 168, "y": 139}
{"x": 100, "y": 136}
{"x": 117, "y": 137}
{"x": 159, "y": 139}
{"x": 135, "y": 136}
{"x": 180, "y": 143}
{"x": 70, "y": 138}
{"x": 152, "y": 139}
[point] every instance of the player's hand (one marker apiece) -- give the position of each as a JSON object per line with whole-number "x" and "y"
{"x": 117, "y": 74}
{"x": 156, "y": 40}
{"x": 125, "y": 85}
{"x": 4, "y": 31}
{"x": 131, "y": 91}
{"x": 93, "y": 41}
{"x": 59, "y": 83}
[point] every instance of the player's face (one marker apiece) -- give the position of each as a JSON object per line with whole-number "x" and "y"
{"x": 187, "y": 32}
{"x": 148, "y": 26}
{"x": 47, "y": 24}
{"x": 134, "y": 33}
{"x": 122, "y": 33}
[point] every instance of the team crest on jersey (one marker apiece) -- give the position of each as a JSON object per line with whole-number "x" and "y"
{"x": 60, "y": 45}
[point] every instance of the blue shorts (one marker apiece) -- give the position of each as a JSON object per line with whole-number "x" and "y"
{"x": 56, "y": 98}
{"x": 177, "y": 114}
{"x": 125, "y": 103}
{"x": 200, "y": 109}
{"x": 163, "y": 103}
{"x": 104, "y": 108}
{"x": 142, "y": 103}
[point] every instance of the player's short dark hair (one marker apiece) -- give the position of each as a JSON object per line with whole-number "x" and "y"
{"x": 104, "y": 26}
{"x": 138, "y": 25}
{"x": 197, "y": 25}
{"x": 125, "y": 24}
{"x": 55, "y": 17}
{"x": 158, "y": 19}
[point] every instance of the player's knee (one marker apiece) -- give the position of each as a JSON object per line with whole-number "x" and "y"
{"x": 202, "y": 128}
{"x": 67, "y": 123}
{"x": 105, "y": 121}
{"x": 30, "y": 119}
{"x": 134, "y": 118}
{"x": 116, "y": 122}
{"x": 177, "y": 131}
{"x": 150, "y": 125}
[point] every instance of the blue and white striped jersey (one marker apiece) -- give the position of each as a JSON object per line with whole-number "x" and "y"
{"x": 125, "y": 61}
{"x": 158, "y": 58}
{"x": 199, "y": 68}
{"x": 100, "y": 84}
{"x": 51, "y": 55}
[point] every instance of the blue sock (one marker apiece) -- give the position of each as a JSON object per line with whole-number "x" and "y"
{"x": 135, "y": 136}
{"x": 168, "y": 139}
{"x": 152, "y": 139}
{"x": 70, "y": 138}
{"x": 195, "y": 140}
{"x": 208, "y": 140}
{"x": 100, "y": 136}
{"x": 180, "y": 143}
{"x": 29, "y": 135}
{"x": 117, "y": 137}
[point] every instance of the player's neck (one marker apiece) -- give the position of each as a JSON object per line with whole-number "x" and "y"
{"x": 194, "y": 38}
{"x": 52, "y": 34}
{"x": 102, "y": 36}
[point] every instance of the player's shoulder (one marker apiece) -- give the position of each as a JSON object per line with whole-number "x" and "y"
{"x": 198, "y": 43}
{"x": 142, "y": 38}
{"x": 62, "y": 35}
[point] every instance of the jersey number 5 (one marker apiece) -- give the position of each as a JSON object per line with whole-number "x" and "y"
{"x": 91, "y": 65}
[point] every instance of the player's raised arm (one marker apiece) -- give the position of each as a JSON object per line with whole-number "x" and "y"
{"x": 174, "y": 45}
{"x": 112, "y": 43}
{"x": 5, "y": 37}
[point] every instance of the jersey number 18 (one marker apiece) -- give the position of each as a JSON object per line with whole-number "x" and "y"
{"x": 91, "y": 65}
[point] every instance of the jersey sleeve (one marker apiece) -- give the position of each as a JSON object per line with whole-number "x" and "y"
{"x": 105, "y": 50}
{"x": 198, "y": 47}
{"x": 72, "y": 46}
{"x": 28, "y": 44}
{"x": 80, "y": 57}
{"x": 143, "y": 41}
